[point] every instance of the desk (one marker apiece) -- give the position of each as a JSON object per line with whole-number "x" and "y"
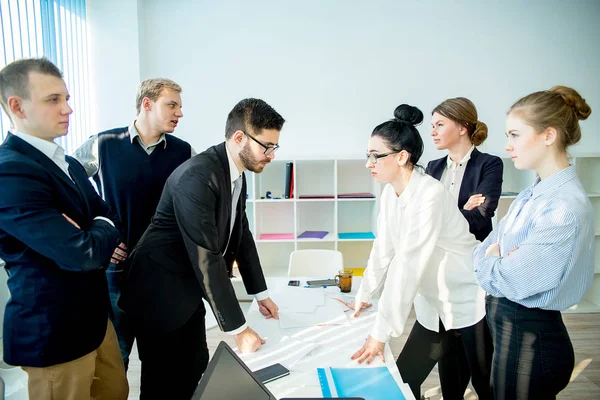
{"x": 334, "y": 345}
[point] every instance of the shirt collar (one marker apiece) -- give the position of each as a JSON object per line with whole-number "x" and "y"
{"x": 49, "y": 149}
{"x": 409, "y": 190}
{"x": 133, "y": 133}
{"x": 553, "y": 182}
{"x": 233, "y": 170}
{"x": 466, "y": 158}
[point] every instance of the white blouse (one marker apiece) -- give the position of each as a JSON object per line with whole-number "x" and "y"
{"x": 422, "y": 254}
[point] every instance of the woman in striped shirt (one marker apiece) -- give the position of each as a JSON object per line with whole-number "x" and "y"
{"x": 539, "y": 259}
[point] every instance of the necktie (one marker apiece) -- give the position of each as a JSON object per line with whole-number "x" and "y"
{"x": 237, "y": 189}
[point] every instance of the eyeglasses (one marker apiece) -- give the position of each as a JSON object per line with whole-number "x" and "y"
{"x": 268, "y": 149}
{"x": 374, "y": 157}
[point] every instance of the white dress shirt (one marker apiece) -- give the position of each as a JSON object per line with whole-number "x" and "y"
{"x": 234, "y": 174}
{"x": 422, "y": 254}
{"x": 55, "y": 153}
{"x": 453, "y": 174}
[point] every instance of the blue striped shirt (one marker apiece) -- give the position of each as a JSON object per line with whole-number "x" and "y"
{"x": 546, "y": 245}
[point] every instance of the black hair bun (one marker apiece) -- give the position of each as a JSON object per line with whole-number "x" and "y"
{"x": 408, "y": 114}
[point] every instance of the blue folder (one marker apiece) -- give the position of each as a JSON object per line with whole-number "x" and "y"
{"x": 369, "y": 383}
{"x": 356, "y": 235}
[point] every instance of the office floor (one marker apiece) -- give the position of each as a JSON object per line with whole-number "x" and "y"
{"x": 584, "y": 330}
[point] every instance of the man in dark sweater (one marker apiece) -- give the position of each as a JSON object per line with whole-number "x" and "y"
{"x": 130, "y": 166}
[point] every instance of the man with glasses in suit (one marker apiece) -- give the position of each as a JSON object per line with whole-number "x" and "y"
{"x": 200, "y": 228}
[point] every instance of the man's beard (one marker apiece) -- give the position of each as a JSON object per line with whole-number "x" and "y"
{"x": 250, "y": 162}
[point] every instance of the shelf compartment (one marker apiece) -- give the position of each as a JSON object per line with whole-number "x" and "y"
{"x": 314, "y": 178}
{"x": 514, "y": 180}
{"x": 357, "y": 216}
{"x": 273, "y": 218}
{"x": 588, "y": 170}
{"x": 353, "y": 177}
{"x": 275, "y": 257}
{"x": 304, "y": 245}
{"x": 272, "y": 179}
{"x": 356, "y": 254}
{"x": 315, "y": 216}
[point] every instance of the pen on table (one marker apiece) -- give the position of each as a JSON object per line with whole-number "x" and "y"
{"x": 314, "y": 286}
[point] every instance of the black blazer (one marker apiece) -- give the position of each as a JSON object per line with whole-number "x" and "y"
{"x": 182, "y": 256}
{"x": 483, "y": 175}
{"x": 59, "y": 305}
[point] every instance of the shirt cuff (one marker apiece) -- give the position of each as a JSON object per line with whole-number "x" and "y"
{"x": 381, "y": 330}
{"x": 238, "y": 330}
{"x": 105, "y": 219}
{"x": 486, "y": 263}
{"x": 262, "y": 295}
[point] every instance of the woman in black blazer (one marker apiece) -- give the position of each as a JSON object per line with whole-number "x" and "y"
{"x": 475, "y": 179}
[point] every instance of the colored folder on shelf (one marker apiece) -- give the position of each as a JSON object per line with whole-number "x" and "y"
{"x": 368, "y": 383}
{"x": 316, "y": 196}
{"x": 357, "y": 195}
{"x": 276, "y": 236}
{"x": 313, "y": 235}
{"x": 356, "y": 235}
{"x": 289, "y": 180}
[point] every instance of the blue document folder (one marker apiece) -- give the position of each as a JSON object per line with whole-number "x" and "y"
{"x": 356, "y": 235}
{"x": 369, "y": 383}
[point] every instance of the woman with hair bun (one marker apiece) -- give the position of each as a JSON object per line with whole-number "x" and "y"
{"x": 540, "y": 258}
{"x": 473, "y": 177}
{"x": 475, "y": 180}
{"x": 422, "y": 253}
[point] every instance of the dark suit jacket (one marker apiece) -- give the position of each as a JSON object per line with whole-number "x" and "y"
{"x": 483, "y": 175}
{"x": 182, "y": 256}
{"x": 58, "y": 309}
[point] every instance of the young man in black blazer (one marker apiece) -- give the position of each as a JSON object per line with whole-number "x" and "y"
{"x": 56, "y": 237}
{"x": 200, "y": 228}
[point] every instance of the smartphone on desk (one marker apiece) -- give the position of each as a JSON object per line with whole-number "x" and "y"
{"x": 271, "y": 373}
{"x": 294, "y": 283}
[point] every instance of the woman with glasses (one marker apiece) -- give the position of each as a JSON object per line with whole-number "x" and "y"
{"x": 540, "y": 258}
{"x": 475, "y": 181}
{"x": 422, "y": 253}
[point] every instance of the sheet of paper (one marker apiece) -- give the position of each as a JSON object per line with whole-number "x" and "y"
{"x": 294, "y": 299}
{"x": 287, "y": 351}
{"x": 332, "y": 313}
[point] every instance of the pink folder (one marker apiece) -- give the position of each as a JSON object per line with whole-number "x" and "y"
{"x": 276, "y": 236}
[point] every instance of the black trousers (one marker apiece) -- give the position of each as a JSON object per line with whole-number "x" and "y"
{"x": 461, "y": 355}
{"x": 173, "y": 362}
{"x": 533, "y": 354}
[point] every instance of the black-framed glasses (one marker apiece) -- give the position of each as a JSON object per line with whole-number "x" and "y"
{"x": 268, "y": 149}
{"x": 374, "y": 157}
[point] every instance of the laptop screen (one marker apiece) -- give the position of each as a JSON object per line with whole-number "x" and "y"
{"x": 227, "y": 377}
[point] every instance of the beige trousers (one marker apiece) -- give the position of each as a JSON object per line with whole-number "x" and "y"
{"x": 98, "y": 375}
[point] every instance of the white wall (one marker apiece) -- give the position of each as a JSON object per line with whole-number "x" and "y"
{"x": 113, "y": 61}
{"x": 335, "y": 69}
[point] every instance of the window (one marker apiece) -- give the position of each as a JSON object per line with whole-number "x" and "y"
{"x": 55, "y": 29}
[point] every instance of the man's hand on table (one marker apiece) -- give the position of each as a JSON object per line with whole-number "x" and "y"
{"x": 268, "y": 308}
{"x": 248, "y": 341}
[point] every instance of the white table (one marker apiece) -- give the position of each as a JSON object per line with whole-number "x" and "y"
{"x": 334, "y": 345}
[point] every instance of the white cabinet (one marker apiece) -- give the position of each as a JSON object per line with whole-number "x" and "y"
{"x": 588, "y": 170}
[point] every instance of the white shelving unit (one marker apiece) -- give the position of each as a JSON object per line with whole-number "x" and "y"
{"x": 276, "y": 223}
{"x": 588, "y": 170}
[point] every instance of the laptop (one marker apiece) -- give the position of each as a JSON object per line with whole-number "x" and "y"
{"x": 227, "y": 377}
